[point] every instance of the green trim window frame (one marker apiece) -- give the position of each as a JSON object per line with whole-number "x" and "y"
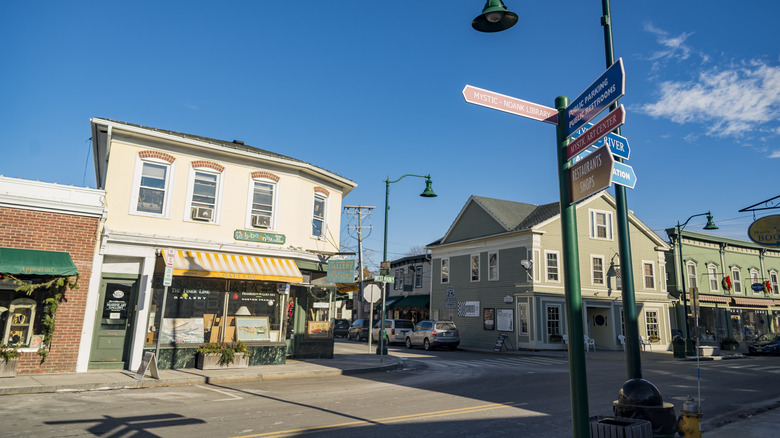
{"x": 736, "y": 279}
{"x": 445, "y": 271}
{"x": 493, "y": 266}
{"x": 597, "y": 270}
{"x": 474, "y": 267}
{"x": 712, "y": 275}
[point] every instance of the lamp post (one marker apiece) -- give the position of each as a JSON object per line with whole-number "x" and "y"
{"x": 427, "y": 193}
{"x": 710, "y": 226}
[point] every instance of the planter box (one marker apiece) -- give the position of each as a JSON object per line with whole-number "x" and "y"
{"x": 211, "y": 362}
{"x": 8, "y": 368}
{"x": 709, "y": 350}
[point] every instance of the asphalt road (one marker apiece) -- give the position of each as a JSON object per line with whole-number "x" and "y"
{"x": 440, "y": 393}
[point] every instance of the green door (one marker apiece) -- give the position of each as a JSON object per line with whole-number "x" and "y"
{"x": 113, "y": 324}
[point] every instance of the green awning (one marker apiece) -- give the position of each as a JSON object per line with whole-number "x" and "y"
{"x": 311, "y": 266}
{"x": 411, "y": 302}
{"x": 36, "y": 262}
{"x": 389, "y": 301}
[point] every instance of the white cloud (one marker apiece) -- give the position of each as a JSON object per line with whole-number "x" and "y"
{"x": 732, "y": 101}
{"x": 674, "y": 47}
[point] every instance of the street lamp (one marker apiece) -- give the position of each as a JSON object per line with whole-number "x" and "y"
{"x": 683, "y": 272}
{"x": 494, "y": 18}
{"x": 427, "y": 193}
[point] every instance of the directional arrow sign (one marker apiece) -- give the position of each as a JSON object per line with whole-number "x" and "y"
{"x": 609, "y": 87}
{"x": 597, "y": 132}
{"x": 616, "y": 143}
{"x": 624, "y": 175}
{"x": 510, "y": 105}
{"x": 591, "y": 175}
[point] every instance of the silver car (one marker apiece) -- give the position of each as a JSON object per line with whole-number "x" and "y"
{"x": 396, "y": 330}
{"x": 432, "y": 334}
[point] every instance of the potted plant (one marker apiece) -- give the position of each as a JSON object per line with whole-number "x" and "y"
{"x": 556, "y": 339}
{"x": 9, "y": 359}
{"x": 654, "y": 339}
{"x": 729, "y": 344}
{"x": 223, "y": 355}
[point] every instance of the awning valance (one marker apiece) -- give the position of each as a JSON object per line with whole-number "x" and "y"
{"x": 234, "y": 266}
{"x": 36, "y": 262}
{"x": 712, "y": 298}
{"x": 752, "y": 302}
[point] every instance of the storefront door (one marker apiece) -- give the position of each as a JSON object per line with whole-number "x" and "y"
{"x": 113, "y": 323}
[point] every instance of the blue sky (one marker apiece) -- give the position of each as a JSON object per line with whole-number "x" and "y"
{"x": 372, "y": 90}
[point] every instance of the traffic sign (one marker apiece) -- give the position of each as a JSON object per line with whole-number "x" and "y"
{"x": 597, "y": 132}
{"x": 384, "y": 279}
{"x": 169, "y": 257}
{"x": 616, "y": 143}
{"x": 609, "y": 87}
{"x": 511, "y": 105}
{"x": 591, "y": 175}
{"x": 372, "y": 293}
{"x": 168, "y": 276}
{"x": 624, "y": 175}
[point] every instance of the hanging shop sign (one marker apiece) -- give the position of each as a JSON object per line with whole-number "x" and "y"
{"x": 257, "y": 236}
{"x": 766, "y": 231}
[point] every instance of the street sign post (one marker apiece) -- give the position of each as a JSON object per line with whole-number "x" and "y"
{"x": 384, "y": 279}
{"x": 597, "y": 132}
{"x": 510, "y": 105}
{"x": 616, "y": 143}
{"x": 609, "y": 87}
{"x": 624, "y": 175}
{"x": 591, "y": 175}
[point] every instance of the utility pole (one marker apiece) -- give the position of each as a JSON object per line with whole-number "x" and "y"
{"x": 359, "y": 211}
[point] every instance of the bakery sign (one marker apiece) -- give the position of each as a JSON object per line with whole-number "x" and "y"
{"x": 766, "y": 231}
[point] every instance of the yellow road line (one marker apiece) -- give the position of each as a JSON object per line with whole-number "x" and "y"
{"x": 283, "y": 433}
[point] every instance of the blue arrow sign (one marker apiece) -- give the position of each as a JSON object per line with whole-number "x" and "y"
{"x": 624, "y": 175}
{"x": 609, "y": 87}
{"x": 616, "y": 143}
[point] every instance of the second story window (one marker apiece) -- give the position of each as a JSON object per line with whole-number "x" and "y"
{"x": 492, "y": 266}
{"x": 712, "y": 273}
{"x": 597, "y": 264}
{"x": 445, "y": 271}
{"x": 203, "y": 191}
{"x": 649, "y": 274}
{"x": 151, "y": 190}
{"x": 600, "y": 225}
{"x": 475, "y": 267}
{"x": 552, "y": 266}
{"x": 263, "y": 204}
{"x": 692, "y": 281}
{"x": 318, "y": 217}
{"x": 418, "y": 276}
{"x": 736, "y": 280}
{"x": 773, "y": 282}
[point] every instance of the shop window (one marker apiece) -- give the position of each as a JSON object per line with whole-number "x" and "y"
{"x": 20, "y": 318}
{"x": 207, "y": 310}
{"x": 553, "y": 320}
{"x": 523, "y": 311}
{"x": 652, "y": 324}
{"x": 317, "y": 311}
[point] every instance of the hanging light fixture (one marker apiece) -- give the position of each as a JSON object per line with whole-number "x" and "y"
{"x": 494, "y": 18}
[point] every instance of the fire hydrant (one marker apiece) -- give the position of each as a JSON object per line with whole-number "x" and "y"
{"x": 689, "y": 419}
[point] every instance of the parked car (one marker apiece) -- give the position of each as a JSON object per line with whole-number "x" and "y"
{"x": 340, "y": 327}
{"x": 432, "y": 334}
{"x": 766, "y": 344}
{"x": 359, "y": 329}
{"x": 396, "y": 330}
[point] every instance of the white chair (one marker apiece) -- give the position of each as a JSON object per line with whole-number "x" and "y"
{"x": 590, "y": 342}
{"x": 565, "y": 342}
{"x": 644, "y": 343}
{"x": 622, "y": 340}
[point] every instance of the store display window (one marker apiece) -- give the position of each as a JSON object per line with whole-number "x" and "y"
{"x": 20, "y": 318}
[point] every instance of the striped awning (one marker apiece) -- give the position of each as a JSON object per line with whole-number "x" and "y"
{"x": 233, "y": 266}
{"x": 752, "y": 302}
{"x": 712, "y": 298}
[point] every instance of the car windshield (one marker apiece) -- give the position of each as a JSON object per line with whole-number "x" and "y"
{"x": 769, "y": 337}
{"x": 445, "y": 326}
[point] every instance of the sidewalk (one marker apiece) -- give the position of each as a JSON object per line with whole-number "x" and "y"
{"x": 341, "y": 364}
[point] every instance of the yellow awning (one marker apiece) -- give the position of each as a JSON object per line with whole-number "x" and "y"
{"x": 233, "y": 266}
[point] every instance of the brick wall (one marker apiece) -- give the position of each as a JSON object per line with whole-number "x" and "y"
{"x": 28, "y": 229}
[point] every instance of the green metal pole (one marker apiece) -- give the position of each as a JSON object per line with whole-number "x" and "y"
{"x": 631, "y": 322}
{"x": 578, "y": 379}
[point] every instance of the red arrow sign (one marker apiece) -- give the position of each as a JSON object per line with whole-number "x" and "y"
{"x": 597, "y": 132}
{"x": 511, "y": 105}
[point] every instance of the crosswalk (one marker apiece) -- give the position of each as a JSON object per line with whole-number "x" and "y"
{"x": 524, "y": 362}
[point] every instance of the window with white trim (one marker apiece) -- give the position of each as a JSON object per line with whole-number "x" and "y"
{"x": 445, "y": 271}
{"x": 648, "y": 271}
{"x": 773, "y": 282}
{"x": 203, "y": 191}
{"x": 399, "y": 279}
{"x": 712, "y": 275}
{"x": 318, "y": 217}
{"x": 691, "y": 273}
{"x": 551, "y": 264}
{"x": 418, "y": 276}
{"x": 262, "y": 202}
{"x": 600, "y": 224}
{"x": 475, "y": 267}
{"x": 662, "y": 276}
{"x": 553, "y": 320}
{"x": 493, "y": 266}
{"x": 597, "y": 268}
{"x": 652, "y": 324}
{"x": 736, "y": 280}
{"x": 151, "y": 187}
{"x": 754, "y": 279}
{"x": 523, "y": 317}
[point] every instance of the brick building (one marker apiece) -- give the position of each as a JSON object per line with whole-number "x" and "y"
{"x": 46, "y": 230}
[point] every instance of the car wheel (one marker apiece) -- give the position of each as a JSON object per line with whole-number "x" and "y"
{"x": 426, "y": 345}
{"x": 408, "y": 343}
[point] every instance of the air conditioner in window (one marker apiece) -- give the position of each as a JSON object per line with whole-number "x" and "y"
{"x": 202, "y": 213}
{"x": 260, "y": 221}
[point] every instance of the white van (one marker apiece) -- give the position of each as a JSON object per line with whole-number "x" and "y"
{"x": 396, "y": 330}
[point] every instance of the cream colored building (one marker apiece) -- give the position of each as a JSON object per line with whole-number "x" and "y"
{"x": 246, "y": 226}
